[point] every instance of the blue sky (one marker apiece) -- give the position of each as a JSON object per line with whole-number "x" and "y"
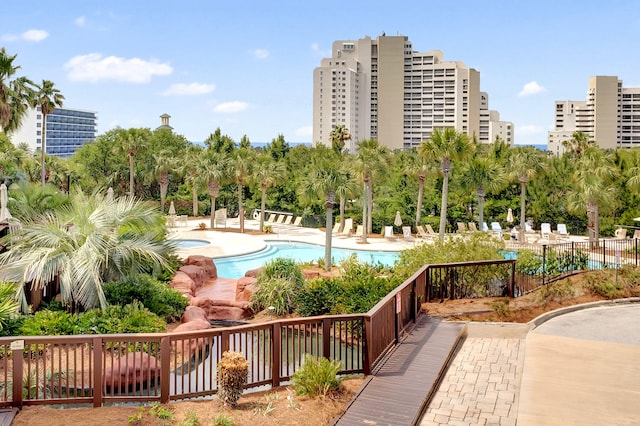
{"x": 247, "y": 66}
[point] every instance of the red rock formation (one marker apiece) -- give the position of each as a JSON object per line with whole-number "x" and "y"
{"x": 132, "y": 370}
{"x": 254, "y": 272}
{"x": 183, "y": 283}
{"x": 188, "y": 348}
{"x": 196, "y": 273}
{"x": 206, "y": 263}
{"x": 192, "y": 313}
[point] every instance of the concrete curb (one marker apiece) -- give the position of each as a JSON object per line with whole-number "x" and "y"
{"x": 541, "y": 319}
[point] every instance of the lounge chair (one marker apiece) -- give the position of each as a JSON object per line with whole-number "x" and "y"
{"x": 431, "y": 232}
{"x": 272, "y": 218}
{"x": 424, "y": 234}
{"x": 636, "y": 234}
{"x": 281, "y": 218}
{"x": 462, "y": 228}
{"x": 348, "y": 227}
{"x": 620, "y": 233}
{"x": 336, "y": 228}
{"x": 288, "y": 220}
{"x": 298, "y": 221}
{"x": 388, "y": 233}
{"x": 473, "y": 227}
{"x": 406, "y": 233}
{"x": 561, "y": 228}
{"x": 359, "y": 231}
{"x": 545, "y": 231}
{"x": 484, "y": 227}
{"x": 496, "y": 229}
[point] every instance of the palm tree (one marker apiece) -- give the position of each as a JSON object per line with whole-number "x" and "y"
{"x": 578, "y": 144}
{"x": 85, "y": 244}
{"x": 131, "y": 142}
{"x": 321, "y": 182}
{"x": 419, "y": 167}
{"x": 165, "y": 163}
{"x": 372, "y": 161}
{"x": 483, "y": 174}
{"x": 446, "y": 146}
{"x": 215, "y": 173}
{"x": 192, "y": 170}
{"x": 266, "y": 173}
{"x": 338, "y": 136}
{"x": 594, "y": 188}
{"x": 241, "y": 165}
{"x": 525, "y": 163}
{"x": 347, "y": 187}
{"x": 48, "y": 98}
{"x": 15, "y": 95}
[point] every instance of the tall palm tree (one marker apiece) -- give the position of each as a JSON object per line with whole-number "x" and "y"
{"x": 131, "y": 142}
{"x": 347, "y": 186}
{"x": 338, "y": 136}
{"x": 321, "y": 182}
{"x": 165, "y": 163}
{"x": 85, "y": 244}
{"x": 483, "y": 174}
{"x": 525, "y": 163}
{"x": 371, "y": 162}
{"x": 15, "y": 95}
{"x": 215, "y": 173}
{"x": 192, "y": 166}
{"x": 241, "y": 165}
{"x": 594, "y": 188}
{"x": 48, "y": 98}
{"x": 578, "y": 144}
{"x": 446, "y": 146}
{"x": 266, "y": 173}
{"x": 419, "y": 167}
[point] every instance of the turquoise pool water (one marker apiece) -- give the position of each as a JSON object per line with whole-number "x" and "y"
{"x": 237, "y": 266}
{"x": 191, "y": 243}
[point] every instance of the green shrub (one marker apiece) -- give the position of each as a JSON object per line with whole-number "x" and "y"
{"x": 222, "y": 420}
{"x": 156, "y": 296}
{"x": 556, "y": 292}
{"x": 501, "y": 307}
{"x": 49, "y": 323}
{"x": 317, "y": 376}
{"x": 278, "y": 285}
{"x": 319, "y": 297}
{"x": 528, "y": 263}
{"x": 600, "y": 283}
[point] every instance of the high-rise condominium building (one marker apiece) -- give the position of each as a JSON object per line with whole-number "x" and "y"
{"x": 383, "y": 89}
{"x": 67, "y": 130}
{"x": 610, "y": 116}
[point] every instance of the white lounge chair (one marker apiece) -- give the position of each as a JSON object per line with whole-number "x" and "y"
{"x": 473, "y": 227}
{"x": 406, "y": 233}
{"x": 359, "y": 231}
{"x": 496, "y": 229}
{"x": 545, "y": 231}
{"x": 620, "y": 233}
{"x": 388, "y": 233}
{"x": 272, "y": 218}
{"x": 288, "y": 220}
{"x": 336, "y": 228}
{"x": 561, "y": 228}
{"x": 462, "y": 228}
{"x": 298, "y": 221}
{"x": 348, "y": 227}
{"x": 484, "y": 227}
{"x": 281, "y": 218}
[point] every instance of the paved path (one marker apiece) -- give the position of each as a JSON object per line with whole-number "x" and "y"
{"x": 482, "y": 383}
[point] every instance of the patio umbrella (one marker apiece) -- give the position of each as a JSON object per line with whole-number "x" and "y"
{"x": 398, "y": 220}
{"x": 510, "y": 215}
{"x": 172, "y": 209}
{"x": 4, "y": 211}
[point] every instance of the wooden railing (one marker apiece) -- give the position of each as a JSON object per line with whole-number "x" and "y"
{"x": 98, "y": 369}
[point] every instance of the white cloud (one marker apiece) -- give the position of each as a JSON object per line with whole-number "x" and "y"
{"x": 189, "y": 89}
{"x": 260, "y": 53}
{"x": 315, "y": 48}
{"x": 29, "y": 35}
{"x": 93, "y": 68}
{"x": 229, "y": 107}
{"x": 530, "y": 129}
{"x": 80, "y": 21}
{"x": 531, "y": 88}
{"x": 305, "y": 132}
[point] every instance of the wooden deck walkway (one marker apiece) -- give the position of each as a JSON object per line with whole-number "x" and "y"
{"x": 7, "y": 415}
{"x": 396, "y": 394}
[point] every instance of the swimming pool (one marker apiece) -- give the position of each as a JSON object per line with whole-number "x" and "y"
{"x": 180, "y": 243}
{"x": 237, "y": 266}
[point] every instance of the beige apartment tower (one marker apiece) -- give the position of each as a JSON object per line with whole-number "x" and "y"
{"x": 610, "y": 116}
{"x": 383, "y": 89}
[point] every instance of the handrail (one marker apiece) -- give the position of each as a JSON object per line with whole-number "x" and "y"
{"x": 94, "y": 369}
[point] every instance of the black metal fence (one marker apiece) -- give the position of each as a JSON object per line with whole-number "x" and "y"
{"x": 538, "y": 265}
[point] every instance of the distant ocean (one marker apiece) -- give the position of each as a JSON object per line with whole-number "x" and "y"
{"x": 541, "y": 147}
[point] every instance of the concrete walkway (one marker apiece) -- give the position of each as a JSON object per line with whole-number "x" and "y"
{"x": 579, "y": 368}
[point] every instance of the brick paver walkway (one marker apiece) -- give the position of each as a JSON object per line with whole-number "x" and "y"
{"x": 481, "y": 386}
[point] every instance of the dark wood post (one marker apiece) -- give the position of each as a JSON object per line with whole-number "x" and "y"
{"x": 276, "y": 353}
{"x": 97, "y": 371}
{"x": 165, "y": 365}
{"x": 326, "y": 338}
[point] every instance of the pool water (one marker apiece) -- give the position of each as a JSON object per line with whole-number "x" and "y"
{"x": 191, "y": 243}
{"x": 237, "y": 266}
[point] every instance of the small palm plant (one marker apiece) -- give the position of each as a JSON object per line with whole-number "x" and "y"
{"x": 233, "y": 371}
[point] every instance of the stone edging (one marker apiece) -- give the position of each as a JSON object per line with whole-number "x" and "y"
{"x": 541, "y": 319}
